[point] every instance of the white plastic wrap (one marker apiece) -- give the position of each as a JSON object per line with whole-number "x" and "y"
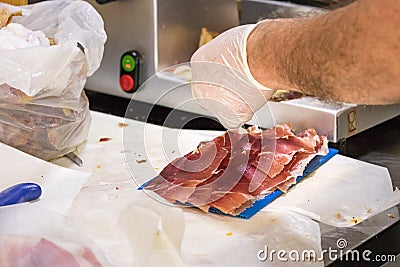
{"x": 43, "y": 110}
{"x": 37, "y": 233}
{"x": 31, "y": 236}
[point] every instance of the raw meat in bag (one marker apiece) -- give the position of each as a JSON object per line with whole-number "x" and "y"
{"x": 45, "y": 57}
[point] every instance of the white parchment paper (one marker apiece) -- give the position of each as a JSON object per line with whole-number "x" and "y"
{"x": 59, "y": 185}
{"x": 342, "y": 192}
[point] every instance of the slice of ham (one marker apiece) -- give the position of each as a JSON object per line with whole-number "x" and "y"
{"x": 227, "y": 176}
{"x": 46, "y": 253}
{"x": 292, "y": 170}
{"x": 26, "y": 252}
{"x": 234, "y": 169}
{"x": 178, "y": 180}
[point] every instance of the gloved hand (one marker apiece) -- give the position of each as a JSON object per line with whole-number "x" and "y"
{"x": 222, "y": 81}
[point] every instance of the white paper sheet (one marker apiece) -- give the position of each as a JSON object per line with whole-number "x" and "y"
{"x": 23, "y": 226}
{"x": 122, "y": 221}
{"x": 342, "y": 192}
{"x": 133, "y": 229}
{"x": 212, "y": 240}
{"x": 59, "y": 185}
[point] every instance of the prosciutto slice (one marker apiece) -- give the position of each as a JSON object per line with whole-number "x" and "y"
{"x": 233, "y": 170}
{"x": 178, "y": 180}
{"x": 23, "y": 252}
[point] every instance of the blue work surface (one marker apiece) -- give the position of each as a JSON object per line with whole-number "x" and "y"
{"x": 261, "y": 203}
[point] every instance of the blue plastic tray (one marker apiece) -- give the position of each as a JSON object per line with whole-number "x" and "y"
{"x": 261, "y": 203}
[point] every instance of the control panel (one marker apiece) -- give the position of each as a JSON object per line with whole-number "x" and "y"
{"x": 129, "y": 71}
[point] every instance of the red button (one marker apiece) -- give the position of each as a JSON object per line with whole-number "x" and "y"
{"x": 126, "y": 82}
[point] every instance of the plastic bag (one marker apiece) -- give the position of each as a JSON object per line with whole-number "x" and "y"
{"x": 43, "y": 109}
{"x": 31, "y": 236}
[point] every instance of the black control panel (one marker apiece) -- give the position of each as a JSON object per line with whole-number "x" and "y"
{"x": 129, "y": 71}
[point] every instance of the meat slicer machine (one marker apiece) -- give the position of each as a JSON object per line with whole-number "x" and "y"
{"x": 148, "y": 38}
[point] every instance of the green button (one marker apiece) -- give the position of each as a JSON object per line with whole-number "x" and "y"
{"x": 128, "y": 63}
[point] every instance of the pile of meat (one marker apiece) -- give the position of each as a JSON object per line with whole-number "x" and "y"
{"x": 54, "y": 120}
{"x": 233, "y": 170}
{"x": 43, "y": 131}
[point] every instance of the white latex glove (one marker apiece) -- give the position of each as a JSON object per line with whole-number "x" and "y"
{"x": 222, "y": 81}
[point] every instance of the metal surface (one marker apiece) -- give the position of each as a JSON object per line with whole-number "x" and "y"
{"x": 257, "y": 10}
{"x": 358, "y": 235}
{"x": 379, "y": 145}
{"x": 74, "y": 158}
{"x": 336, "y": 120}
{"x": 167, "y": 32}
{"x": 164, "y": 32}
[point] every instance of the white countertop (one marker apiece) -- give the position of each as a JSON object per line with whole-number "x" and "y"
{"x": 133, "y": 229}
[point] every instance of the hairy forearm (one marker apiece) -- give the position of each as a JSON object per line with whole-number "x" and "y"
{"x": 350, "y": 54}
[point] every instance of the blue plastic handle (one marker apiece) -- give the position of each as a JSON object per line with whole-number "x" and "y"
{"x": 20, "y": 193}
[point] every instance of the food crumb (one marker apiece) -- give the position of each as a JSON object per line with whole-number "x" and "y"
{"x": 355, "y": 220}
{"x": 368, "y": 210}
{"x": 339, "y": 216}
{"x": 122, "y": 125}
{"x": 391, "y": 215}
{"x": 229, "y": 234}
{"x": 141, "y": 161}
{"x": 98, "y": 166}
{"x": 173, "y": 151}
{"x": 104, "y": 139}
{"x": 117, "y": 188}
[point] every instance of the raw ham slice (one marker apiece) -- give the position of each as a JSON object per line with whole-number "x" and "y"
{"x": 226, "y": 178}
{"x": 25, "y": 252}
{"x": 46, "y": 253}
{"x": 284, "y": 187}
{"x": 230, "y": 172}
{"x": 179, "y": 179}
{"x": 292, "y": 170}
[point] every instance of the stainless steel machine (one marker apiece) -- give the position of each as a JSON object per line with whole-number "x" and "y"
{"x": 163, "y": 33}
{"x": 153, "y": 35}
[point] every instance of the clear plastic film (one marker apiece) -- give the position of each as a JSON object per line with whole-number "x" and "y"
{"x": 43, "y": 109}
{"x": 40, "y": 233}
{"x": 32, "y": 236}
